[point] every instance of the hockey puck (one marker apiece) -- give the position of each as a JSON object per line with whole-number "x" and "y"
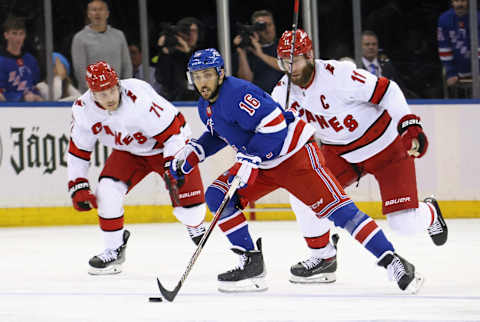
{"x": 155, "y": 299}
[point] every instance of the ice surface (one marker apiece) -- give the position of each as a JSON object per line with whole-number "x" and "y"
{"x": 43, "y": 277}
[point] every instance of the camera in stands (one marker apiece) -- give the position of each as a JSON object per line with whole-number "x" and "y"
{"x": 246, "y": 31}
{"x": 171, "y": 32}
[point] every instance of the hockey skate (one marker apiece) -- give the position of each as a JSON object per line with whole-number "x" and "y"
{"x": 315, "y": 269}
{"x": 403, "y": 272}
{"x": 249, "y": 276}
{"x": 196, "y": 233}
{"x": 110, "y": 261}
{"x": 438, "y": 231}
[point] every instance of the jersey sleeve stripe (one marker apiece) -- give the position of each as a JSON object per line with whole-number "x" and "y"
{"x": 174, "y": 128}
{"x": 445, "y": 50}
{"x": 267, "y": 120}
{"x": 275, "y": 125}
{"x": 279, "y": 119}
{"x": 79, "y": 153}
{"x": 380, "y": 89}
{"x": 296, "y": 135}
{"x": 445, "y": 54}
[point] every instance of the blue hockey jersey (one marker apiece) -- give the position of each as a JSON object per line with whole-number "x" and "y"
{"x": 453, "y": 37}
{"x": 248, "y": 119}
{"x": 18, "y": 75}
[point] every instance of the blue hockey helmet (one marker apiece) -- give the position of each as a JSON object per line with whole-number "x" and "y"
{"x": 205, "y": 58}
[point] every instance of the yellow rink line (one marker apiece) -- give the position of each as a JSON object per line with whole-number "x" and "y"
{"x": 57, "y": 216}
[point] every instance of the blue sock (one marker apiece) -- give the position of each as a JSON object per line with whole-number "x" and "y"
{"x": 241, "y": 237}
{"x": 363, "y": 228}
{"x": 232, "y": 221}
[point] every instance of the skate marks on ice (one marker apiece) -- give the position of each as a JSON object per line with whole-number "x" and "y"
{"x": 45, "y": 270}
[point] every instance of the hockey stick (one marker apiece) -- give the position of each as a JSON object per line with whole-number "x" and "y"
{"x": 294, "y": 38}
{"x": 170, "y": 295}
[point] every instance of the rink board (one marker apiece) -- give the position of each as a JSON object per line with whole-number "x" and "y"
{"x": 56, "y": 216}
{"x": 34, "y": 142}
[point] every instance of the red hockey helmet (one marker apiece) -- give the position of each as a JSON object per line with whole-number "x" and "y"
{"x": 303, "y": 44}
{"x": 101, "y": 76}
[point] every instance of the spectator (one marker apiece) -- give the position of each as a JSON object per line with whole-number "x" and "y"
{"x": 454, "y": 42}
{"x": 99, "y": 41}
{"x": 256, "y": 52}
{"x": 380, "y": 65}
{"x": 63, "y": 90}
{"x": 176, "y": 44}
{"x": 19, "y": 71}
{"x": 136, "y": 56}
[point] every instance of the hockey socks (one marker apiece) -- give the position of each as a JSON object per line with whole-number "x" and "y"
{"x": 232, "y": 220}
{"x": 235, "y": 227}
{"x": 363, "y": 228}
{"x": 320, "y": 246}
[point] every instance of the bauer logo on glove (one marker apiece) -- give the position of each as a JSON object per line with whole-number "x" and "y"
{"x": 413, "y": 137}
{"x": 82, "y": 198}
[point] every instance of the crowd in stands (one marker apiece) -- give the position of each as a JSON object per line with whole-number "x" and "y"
{"x": 431, "y": 61}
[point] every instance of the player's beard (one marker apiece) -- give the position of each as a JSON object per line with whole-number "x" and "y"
{"x": 212, "y": 97}
{"x": 307, "y": 74}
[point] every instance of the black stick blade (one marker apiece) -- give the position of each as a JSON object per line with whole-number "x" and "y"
{"x": 169, "y": 295}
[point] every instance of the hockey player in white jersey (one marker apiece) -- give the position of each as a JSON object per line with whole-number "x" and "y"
{"x": 365, "y": 127}
{"x": 145, "y": 131}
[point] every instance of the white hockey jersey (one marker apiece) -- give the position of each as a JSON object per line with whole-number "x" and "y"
{"x": 144, "y": 124}
{"x": 352, "y": 110}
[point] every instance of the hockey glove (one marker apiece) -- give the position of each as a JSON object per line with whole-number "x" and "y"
{"x": 246, "y": 168}
{"x": 82, "y": 197}
{"x": 413, "y": 138}
{"x": 171, "y": 183}
{"x": 186, "y": 159}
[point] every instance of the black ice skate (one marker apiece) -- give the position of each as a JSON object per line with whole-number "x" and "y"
{"x": 249, "y": 276}
{"x": 110, "y": 261}
{"x": 196, "y": 233}
{"x": 400, "y": 270}
{"x": 438, "y": 231}
{"x": 315, "y": 269}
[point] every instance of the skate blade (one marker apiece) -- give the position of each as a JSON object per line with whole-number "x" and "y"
{"x": 324, "y": 278}
{"x": 254, "y": 284}
{"x": 110, "y": 270}
{"x": 416, "y": 284}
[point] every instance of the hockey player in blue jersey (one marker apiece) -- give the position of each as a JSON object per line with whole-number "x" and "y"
{"x": 453, "y": 35}
{"x": 275, "y": 149}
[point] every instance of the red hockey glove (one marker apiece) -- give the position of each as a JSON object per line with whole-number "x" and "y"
{"x": 82, "y": 197}
{"x": 414, "y": 140}
{"x": 171, "y": 183}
